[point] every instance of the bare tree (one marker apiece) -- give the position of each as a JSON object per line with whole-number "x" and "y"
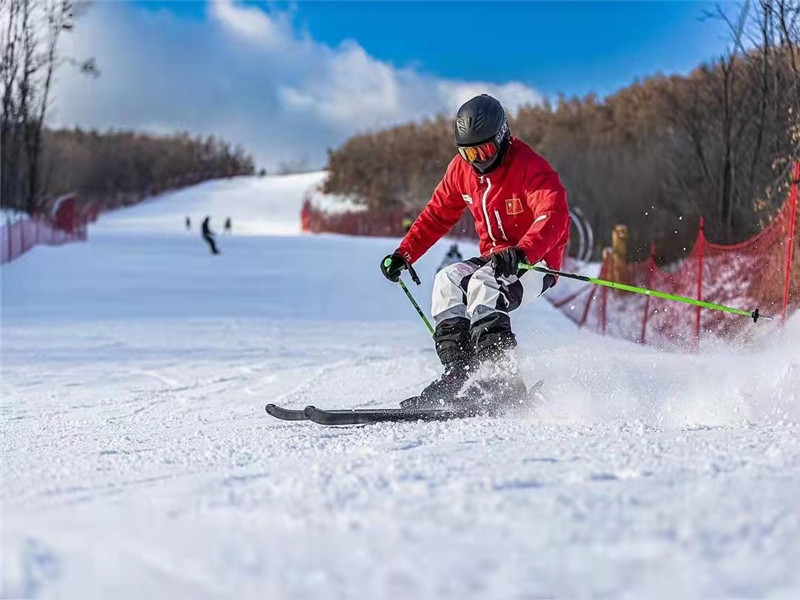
{"x": 31, "y": 31}
{"x": 9, "y": 67}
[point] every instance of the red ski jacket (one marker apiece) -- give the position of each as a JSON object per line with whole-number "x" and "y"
{"x": 521, "y": 203}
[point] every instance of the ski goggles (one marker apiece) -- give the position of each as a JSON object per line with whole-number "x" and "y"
{"x": 480, "y": 153}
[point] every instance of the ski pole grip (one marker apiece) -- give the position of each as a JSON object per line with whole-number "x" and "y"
{"x": 414, "y": 277}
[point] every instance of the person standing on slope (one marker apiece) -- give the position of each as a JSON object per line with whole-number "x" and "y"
{"x": 521, "y": 215}
{"x": 208, "y": 236}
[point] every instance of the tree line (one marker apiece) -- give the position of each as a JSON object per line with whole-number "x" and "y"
{"x": 117, "y": 168}
{"x": 114, "y": 168}
{"x": 655, "y": 155}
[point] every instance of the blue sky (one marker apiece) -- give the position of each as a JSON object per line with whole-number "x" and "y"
{"x": 288, "y": 80}
{"x": 557, "y": 47}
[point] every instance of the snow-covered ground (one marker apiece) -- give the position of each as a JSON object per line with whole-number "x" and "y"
{"x": 255, "y": 205}
{"x": 138, "y": 461}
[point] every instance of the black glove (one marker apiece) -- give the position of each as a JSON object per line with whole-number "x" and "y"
{"x": 393, "y": 265}
{"x": 506, "y": 262}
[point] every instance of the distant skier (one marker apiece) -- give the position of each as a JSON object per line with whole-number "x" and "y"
{"x": 453, "y": 256}
{"x": 228, "y": 226}
{"x": 521, "y": 215}
{"x": 208, "y": 236}
{"x": 188, "y": 223}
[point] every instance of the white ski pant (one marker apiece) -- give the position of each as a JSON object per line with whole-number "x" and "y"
{"x": 471, "y": 290}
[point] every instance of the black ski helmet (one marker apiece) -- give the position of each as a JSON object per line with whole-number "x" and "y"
{"x": 479, "y": 121}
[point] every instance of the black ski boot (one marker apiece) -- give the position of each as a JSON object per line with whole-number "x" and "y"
{"x": 497, "y": 385}
{"x": 492, "y": 395}
{"x": 454, "y": 348}
{"x": 441, "y": 392}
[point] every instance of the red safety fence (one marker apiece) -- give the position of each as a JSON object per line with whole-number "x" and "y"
{"x": 762, "y": 272}
{"x": 65, "y": 225}
{"x": 387, "y": 223}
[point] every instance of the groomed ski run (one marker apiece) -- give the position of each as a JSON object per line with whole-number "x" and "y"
{"x": 138, "y": 459}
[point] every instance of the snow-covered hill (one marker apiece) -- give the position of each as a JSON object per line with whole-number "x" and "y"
{"x": 138, "y": 460}
{"x": 256, "y": 206}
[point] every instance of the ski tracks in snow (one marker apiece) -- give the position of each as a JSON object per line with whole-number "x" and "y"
{"x": 180, "y": 485}
{"x": 138, "y": 460}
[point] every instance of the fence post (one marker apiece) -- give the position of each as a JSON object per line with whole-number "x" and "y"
{"x": 604, "y": 292}
{"x": 643, "y": 338}
{"x": 701, "y": 240}
{"x": 604, "y": 307}
{"x": 592, "y": 295}
{"x": 586, "y": 309}
{"x": 790, "y": 245}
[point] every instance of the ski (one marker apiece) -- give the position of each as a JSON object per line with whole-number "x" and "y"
{"x": 286, "y": 414}
{"x": 362, "y": 416}
{"x": 380, "y": 415}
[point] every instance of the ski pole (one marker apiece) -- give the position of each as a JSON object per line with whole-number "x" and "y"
{"x": 755, "y": 315}
{"x": 387, "y": 263}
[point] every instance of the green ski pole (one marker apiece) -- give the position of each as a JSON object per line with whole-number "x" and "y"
{"x": 755, "y": 315}
{"x": 387, "y": 263}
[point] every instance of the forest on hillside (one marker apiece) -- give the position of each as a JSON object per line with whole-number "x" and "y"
{"x": 121, "y": 167}
{"x": 656, "y": 155}
{"x": 115, "y": 168}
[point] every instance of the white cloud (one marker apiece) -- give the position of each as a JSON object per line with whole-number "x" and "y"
{"x": 249, "y": 77}
{"x": 513, "y": 94}
{"x": 250, "y": 22}
{"x": 352, "y": 88}
{"x": 357, "y": 88}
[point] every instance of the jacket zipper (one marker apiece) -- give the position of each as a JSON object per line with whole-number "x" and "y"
{"x": 486, "y": 212}
{"x": 500, "y": 224}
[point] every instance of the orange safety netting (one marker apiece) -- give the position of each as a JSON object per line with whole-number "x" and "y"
{"x": 762, "y": 272}
{"x": 66, "y": 224}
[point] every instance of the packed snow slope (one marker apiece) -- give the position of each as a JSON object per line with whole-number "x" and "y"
{"x": 255, "y": 205}
{"x": 138, "y": 461}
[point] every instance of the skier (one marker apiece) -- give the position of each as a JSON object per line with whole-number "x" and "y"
{"x": 453, "y": 256}
{"x": 521, "y": 215}
{"x": 208, "y": 236}
{"x": 228, "y": 226}
{"x": 188, "y": 223}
